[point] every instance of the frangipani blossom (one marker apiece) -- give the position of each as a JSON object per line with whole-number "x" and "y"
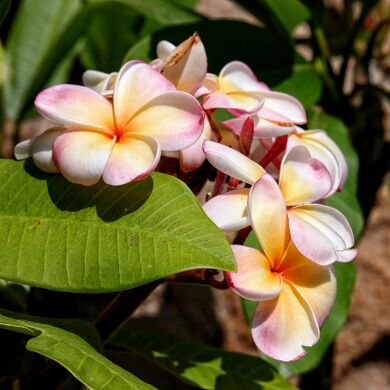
{"x": 294, "y": 294}
{"x": 323, "y": 148}
{"x": 321, "y": 233}
{"x": 237, "y": 90}
{"x": 122, "y": 141}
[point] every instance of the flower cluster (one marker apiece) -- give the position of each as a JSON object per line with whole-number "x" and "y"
{"x": 271, "y": 175}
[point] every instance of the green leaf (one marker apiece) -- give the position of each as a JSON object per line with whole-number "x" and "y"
{"x": 348, "y": 204}
{"x": 15, "y": 294}
{"x": 282, "y": 15}
{"x": 140, "y": 51}
{"x": 197, "y": 364}
{"x": 32, "y": 46}
{"x": 106, "y": 43}
{"x": 165, "y": 12}
{"x": 285, "y": 13}
{"x": 304, "y": 83}
{"x": 4, "y": 8}
{"x": 61, "y": 236}
{"x": 51, "y": 339}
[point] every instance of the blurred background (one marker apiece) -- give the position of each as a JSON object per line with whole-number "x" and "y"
{"x": 333, "y": 55}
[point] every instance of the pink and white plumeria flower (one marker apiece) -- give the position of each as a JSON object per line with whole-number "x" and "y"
{"x": 122, "y": 141}
{"x": 294, "y": 294}
{"x": 323, "y": 148}
{"x": 237, "y": 90}
{"x": 321, "y": 233}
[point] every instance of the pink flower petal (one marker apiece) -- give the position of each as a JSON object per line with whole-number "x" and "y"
{"x": 320, "y": 232}
{"x": 209, "y": 85}
{"x": 262, "y": 127}
{"x": 315, "y": 283}
{"x": 23, "y": 150}
{"x": 280, "y": 107}
{"x": 346, "y": 255}
{"x": 283, "y": 325}
{"x": 164, "y": 48}
{"x": 81, "y": 155}
{"x": 237, "y": 76}
{"x": 237, "y": 103}
{"x": 324, "y": 149}
{"x": 42, "y": 149}
{"x": 231, "y": 162}
{"x": 303, "y": 179}
{"x": 193, "y": 157}
{"x": 131, "y": 159}
{"x": 253, "y": 279}
{"x": 229, "y": 210}
{"x": 136, "y": 85}
{"x": 174, "y": 119}
{"x": 76, "y": 105}
{"x": 268, "y": 215}
{"x": 186, "y": 65}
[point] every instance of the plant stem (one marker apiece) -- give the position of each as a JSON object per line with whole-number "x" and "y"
{"x": 203, "y": 276}
{"x": 278, "y": 147}
{"x": 121, "y": 308}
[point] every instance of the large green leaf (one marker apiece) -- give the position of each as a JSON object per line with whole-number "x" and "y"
{"x": 4, "y": 7}
{"x": 106, "y": 43}
{"x": 61, "y": 236}
{"x": 197, "y": 364}
{"x": 347, "y": 203}
{"x": 59, "y": 340}
{"x": 165, "y": 12}
{"x": 31, "y": 47}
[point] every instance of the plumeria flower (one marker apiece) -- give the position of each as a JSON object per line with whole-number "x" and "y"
{"x": 294, "y": 294}
{"x": 122, "y": 141}
{"x": 323, "y": 148}
{"x": 237, "y": 90}
{"x": 321, "y": 233}
{"x": 186, "y": 67}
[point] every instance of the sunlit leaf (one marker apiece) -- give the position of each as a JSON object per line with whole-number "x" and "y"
{"x": 60, "y": 341}
{"x": 61, "y": 236}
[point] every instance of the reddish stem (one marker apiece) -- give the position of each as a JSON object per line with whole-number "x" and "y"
{"x": 246, "y": 136}
{"x": 278, "y": 147}
{"x": 218, "y": 184}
